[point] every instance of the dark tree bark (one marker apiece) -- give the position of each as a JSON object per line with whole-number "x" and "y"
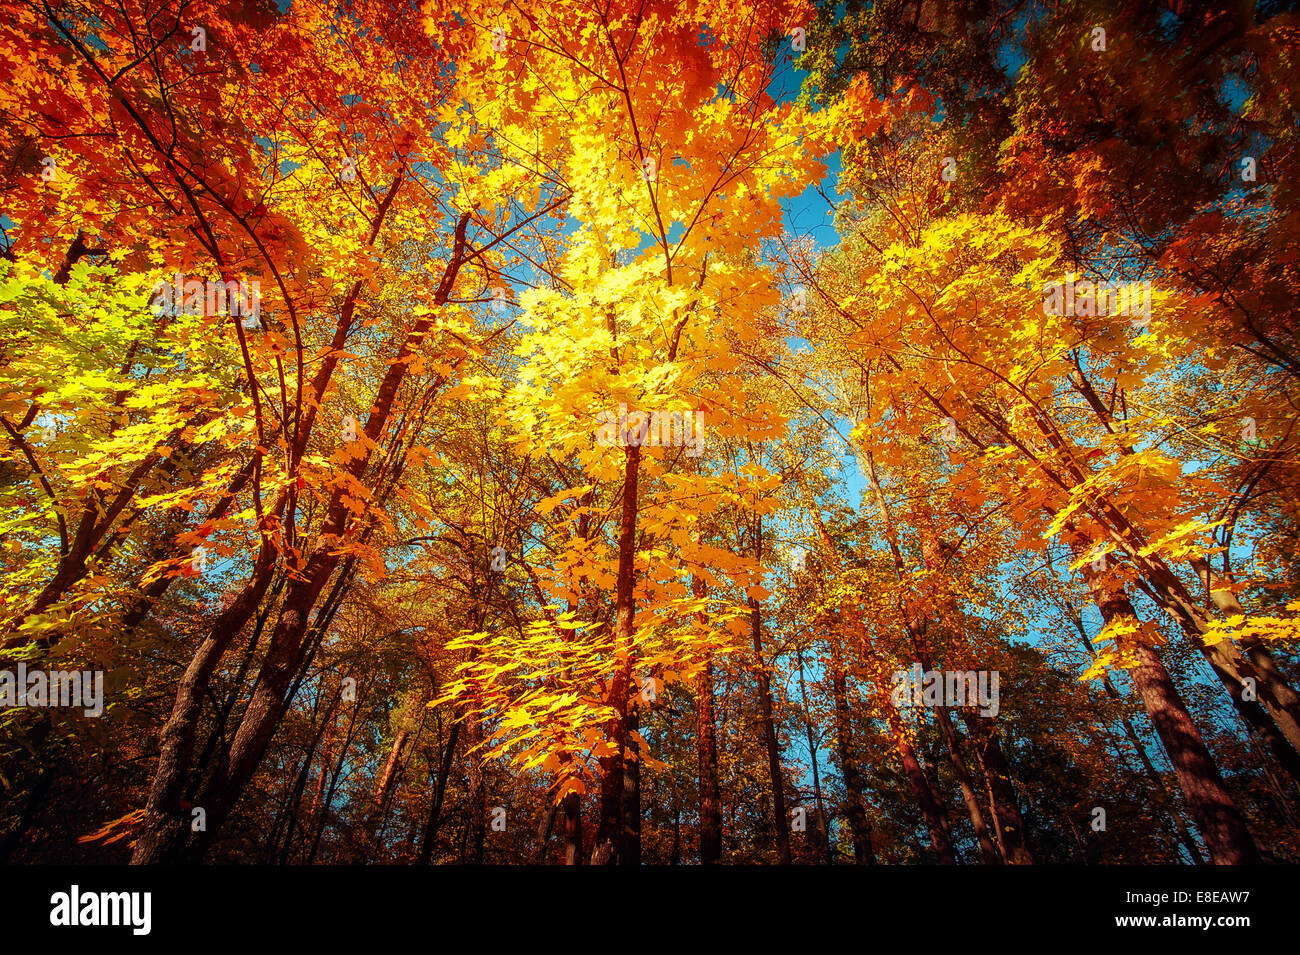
{"x": 572, "y": 829}
{"x": 630, "y": 848}
{"x": 1006, "y": 810}
{"x": 439, "y": 794}
{"x": 988, "y": 852}
{"x": 780, "y": 822}
{"x": 706, "y": 748}
{"x": 925, "y": 796}
{"x": 854, "y": 785}
{"x": 609, "y": 833}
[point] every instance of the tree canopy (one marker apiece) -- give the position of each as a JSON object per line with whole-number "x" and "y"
{"x": 647, "y": 432}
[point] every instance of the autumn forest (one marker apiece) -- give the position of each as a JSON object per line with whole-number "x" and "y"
{"x": 641, "y": 432}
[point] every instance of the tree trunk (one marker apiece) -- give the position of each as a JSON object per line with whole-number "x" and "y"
{"x": 854, "y": 786}
{"x": 629, "y": 852}
{"x": 439, "y": 793}
{"x": 609, "y": 833}
{"x": 1221, "y": 823}
{"x": 1168, "y": 810}
{"x": 572, "y": 829}
{"x": 853, "y": 783}
{"x": 1267, "y": 713}
{"x": 300, "y": 784}
{"x": 1006, "y": 810}
{"x": 925, "y": 796}
{"x": 265, "y": 708}
{"x": 988, "y": 852}
{"x": 823, "y": 830}
{"x": 1274, "y": 692}
{"x": 164, "y": 826}
{"x": 779, "y": 820}
{"x": 335, "y": 774}
{"x": 384, "y": 788}
{"x": 706, "y": 748}
{"x": 475, "y": 796}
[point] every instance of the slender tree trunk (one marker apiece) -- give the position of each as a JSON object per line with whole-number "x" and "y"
{"x": 925, "y": 796}
{"x": 948, "y": 617}
{"x": 706, "y": 748}
{"x": 300, "y": 783}
{"x": 988, "y": 852}
{"x": 930, "y": 768}
{"x": 779, "y": 819}
{"x": 384, "y": 788}
{"x": 675, "y": 853}
{"x": 544, "y": 830}
{"x": 854, "y": 785}
{"x": 853, "y": 782}
{"x": 609, "y": 832}
{"x": 1009, "y": 824}
{"x": 630, "y": 850}
{"x": 822, "y": 828}
{"x": 439, "y": 793}
{"x": 335, "y": 774}
{"x": 476, "y": 795}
